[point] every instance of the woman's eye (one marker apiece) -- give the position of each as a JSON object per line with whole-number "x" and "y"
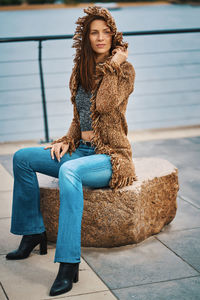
{"x": 107, "y": 32}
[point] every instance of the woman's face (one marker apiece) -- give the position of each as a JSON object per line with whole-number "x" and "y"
{"x": 100, "y": 37}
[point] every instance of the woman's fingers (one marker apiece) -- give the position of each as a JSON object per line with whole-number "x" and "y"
{"x": 115, "y": 50}
{"x": 64, "y": 149}
{"x": 123, "y": 52}
{"x": 120, "y": 54}
{"x": 52, "y": 152}
{"x": 57, "y": 151}
{"x": 48, "y": 147}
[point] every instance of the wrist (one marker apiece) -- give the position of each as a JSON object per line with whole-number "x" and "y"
{"x": 115, "y": 61}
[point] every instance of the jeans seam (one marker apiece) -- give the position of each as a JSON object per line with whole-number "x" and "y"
{"x": 97, "y": 169}
{"x": 106, "y": 167}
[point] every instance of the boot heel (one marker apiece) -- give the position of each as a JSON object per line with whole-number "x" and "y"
{"x": 76, "y": 277}
{"x": 43, "y": 247}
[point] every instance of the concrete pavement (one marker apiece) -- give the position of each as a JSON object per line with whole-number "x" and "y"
{"x": 164, "y": 266}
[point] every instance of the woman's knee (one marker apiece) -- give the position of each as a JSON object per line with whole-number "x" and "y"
{"x": 69, "y": 179}
{"x": 19, "y": 155}
{"x": 23, "y": 155}
{"x": 67, "y": 168}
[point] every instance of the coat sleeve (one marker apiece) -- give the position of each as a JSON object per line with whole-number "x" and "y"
{"x": 117, "y": 84}
{"x": 73, "y": 135}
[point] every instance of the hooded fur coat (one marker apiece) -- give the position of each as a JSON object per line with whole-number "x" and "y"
{"x": 113, "y": 85}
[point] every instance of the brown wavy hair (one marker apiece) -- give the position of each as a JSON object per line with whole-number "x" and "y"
{"x": 87, "y": 56}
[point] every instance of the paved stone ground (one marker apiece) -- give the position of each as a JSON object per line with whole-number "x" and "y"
{"x": 164, "y": 266}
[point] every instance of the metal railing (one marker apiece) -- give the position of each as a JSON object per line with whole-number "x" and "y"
{"x": 41, "y": 39}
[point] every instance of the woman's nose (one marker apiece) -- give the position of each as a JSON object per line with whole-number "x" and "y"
{"x": 101, "y": 36}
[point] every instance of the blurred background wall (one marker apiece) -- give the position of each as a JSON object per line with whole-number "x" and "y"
{"x": 167, "y": 85}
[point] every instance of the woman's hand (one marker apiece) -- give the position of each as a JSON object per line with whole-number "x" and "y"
{"x": 120, "y": 55}
{"x": 59, "y": 149}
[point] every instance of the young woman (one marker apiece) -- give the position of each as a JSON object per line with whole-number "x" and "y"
{"x": 95, "y": 151}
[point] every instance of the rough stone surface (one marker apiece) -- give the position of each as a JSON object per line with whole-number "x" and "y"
{"x": 129, "y": 215}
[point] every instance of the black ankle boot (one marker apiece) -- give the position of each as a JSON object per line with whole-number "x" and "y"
{"x": 27, "y": 244}
{"x": 67, "y": 274}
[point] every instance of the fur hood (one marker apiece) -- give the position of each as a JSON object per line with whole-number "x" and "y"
{"x": 78, "y": 36}
{"x": 96, "y": 11}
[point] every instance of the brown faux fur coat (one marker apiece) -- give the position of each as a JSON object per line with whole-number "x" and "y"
{"x": 113, "y": 85}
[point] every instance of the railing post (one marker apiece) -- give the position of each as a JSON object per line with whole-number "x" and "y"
{"x": 43, "y": 95}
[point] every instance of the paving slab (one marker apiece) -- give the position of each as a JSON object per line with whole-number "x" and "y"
{"x": 5, "y": 204}
{"x": 181, "y": 152}
{"x": 6, "y": 162}
{"x": 2, "y": 295}
{"x": 8, "y": 241}
{"x": 189, "y": 178}
{"x": 92, "y": 296}
{"x": 187, "y": 217}
{"x": 182, "y": 289}
{"x": 136, "y": 264}
{"x": 11, "y": 148}
{"x": 185, "y": 244}
{"x": 33, "y": 277}
{"x": 163, "y": 133}
{"x": 6, "y": 182}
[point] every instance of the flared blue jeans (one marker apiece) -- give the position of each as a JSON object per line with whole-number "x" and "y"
{"x": 83, "y": 168}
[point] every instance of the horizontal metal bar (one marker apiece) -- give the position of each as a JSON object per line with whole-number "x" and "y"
{"x": 70, "y": 36}
{"x": 162, "y": 31}
{"x": 35, "y": 38}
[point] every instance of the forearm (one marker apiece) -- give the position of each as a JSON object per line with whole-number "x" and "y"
{"x": 117, "y": 84}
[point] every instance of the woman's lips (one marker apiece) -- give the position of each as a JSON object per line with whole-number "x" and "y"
{"x": 100, "y": 45}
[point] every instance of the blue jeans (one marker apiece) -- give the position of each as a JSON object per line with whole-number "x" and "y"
{"x": 83, "y": 167}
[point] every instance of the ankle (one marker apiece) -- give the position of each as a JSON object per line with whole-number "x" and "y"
{"x": 40, "y": 233}
{"x": 67, "y": 263}
{"x": 35, "y": 234}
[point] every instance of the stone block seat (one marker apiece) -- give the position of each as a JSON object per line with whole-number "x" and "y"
{"x": 128, "y": 216}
